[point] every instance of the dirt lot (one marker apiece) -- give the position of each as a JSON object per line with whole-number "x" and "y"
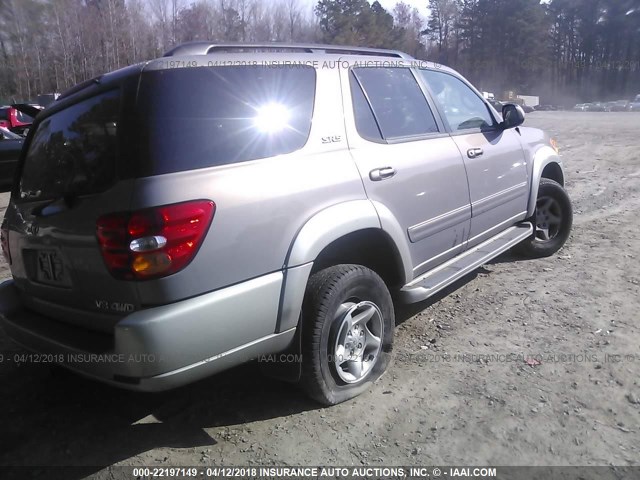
{"x": 577, "y": 313}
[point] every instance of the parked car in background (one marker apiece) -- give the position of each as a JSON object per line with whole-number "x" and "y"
{"x": 546, "y": 108}
{"x": 28, "y": 112}
{"x": 580, "y": 107}
{"x": 595, "y": 107}
{"x": 634, "y": 105}
{"x": 617, "y": 106}
{"x": 10, "y": 148}
{"x": 14, "y": 120}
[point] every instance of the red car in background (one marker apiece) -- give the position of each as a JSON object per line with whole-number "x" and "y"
{"x": 15, "y": 120}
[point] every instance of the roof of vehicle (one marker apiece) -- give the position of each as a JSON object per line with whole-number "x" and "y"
{"x": 276, "y": 59}
{"x": 203, "y": 54}
{"x": 198, "y": 54}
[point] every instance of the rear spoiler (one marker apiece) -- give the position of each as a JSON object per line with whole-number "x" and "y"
{"x": 30, "y": 110}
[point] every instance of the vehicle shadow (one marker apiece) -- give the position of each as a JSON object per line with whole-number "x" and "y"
{"x": 50, "y": 417}
{"x": 405, "y": 312}
{"x": 510, "y": 257}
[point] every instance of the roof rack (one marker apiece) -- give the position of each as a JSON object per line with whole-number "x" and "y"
{"x": 205, "y": 48}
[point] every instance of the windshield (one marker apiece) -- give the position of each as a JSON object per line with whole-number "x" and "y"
{"x": 73, "y": 151}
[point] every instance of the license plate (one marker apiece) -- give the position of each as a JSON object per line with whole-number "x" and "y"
{"x": 51, "y": 269}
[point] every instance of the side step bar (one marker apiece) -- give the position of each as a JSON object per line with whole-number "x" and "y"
{"x": 444, "y": 275}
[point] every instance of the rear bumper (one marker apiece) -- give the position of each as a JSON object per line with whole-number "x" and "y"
{"x": 163, "y": 347}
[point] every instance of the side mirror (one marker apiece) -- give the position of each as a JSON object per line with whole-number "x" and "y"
{"x": 512, "y": 115}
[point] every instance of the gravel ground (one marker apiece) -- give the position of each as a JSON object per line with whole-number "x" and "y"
{"x": 521, "y": 363}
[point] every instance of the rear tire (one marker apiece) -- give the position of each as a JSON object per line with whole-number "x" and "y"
{"x": 553, "y": 220}
{"x": 347, "y": 332}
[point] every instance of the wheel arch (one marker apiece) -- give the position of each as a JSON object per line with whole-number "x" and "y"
{"x": 320, "y": 238}
{"x": 350, "y": 232}
{"x": 546, "y": 164}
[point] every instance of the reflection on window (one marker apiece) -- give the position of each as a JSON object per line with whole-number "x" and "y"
{"x": 204, "y": 117}
{"x": 73, "y": 151}
{"x": 462, "y": 107}
{"x": 397, "y": 101}
{"x": 365, "y": 121}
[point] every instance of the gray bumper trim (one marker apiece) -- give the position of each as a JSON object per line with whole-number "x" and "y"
{"x": 161, "y": 347}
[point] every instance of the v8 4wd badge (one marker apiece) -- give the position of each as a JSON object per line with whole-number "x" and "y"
{"x": 120, "y": 307}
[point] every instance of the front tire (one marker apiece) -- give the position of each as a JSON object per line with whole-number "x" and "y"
{"x": 553, "y": 220}
{"x": 347, "y": 332}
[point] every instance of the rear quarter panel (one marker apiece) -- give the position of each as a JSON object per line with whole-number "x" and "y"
{"x": 260, "y": 205}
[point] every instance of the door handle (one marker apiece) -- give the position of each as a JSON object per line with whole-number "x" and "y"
{"x": 381, "y": 173}
{"x": 474, "y": 152}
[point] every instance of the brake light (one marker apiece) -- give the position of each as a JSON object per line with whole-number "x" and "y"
{"x": 154, "y": 242}
{"x": 4, "y": 241}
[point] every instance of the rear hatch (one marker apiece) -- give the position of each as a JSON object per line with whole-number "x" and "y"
{"x": 72, "y": 172}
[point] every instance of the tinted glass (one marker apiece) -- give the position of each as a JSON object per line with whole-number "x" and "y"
{"x": 73, "y": 151}
{"x": 397, "y": 101}
{"x": 365, "y": 121}
{"x": 4, "y": 114}
{"x": 462, "y": 107}
{"x": 23, "y": 117}
{"x": 200, "y": 117}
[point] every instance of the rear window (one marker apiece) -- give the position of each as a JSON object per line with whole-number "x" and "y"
{"x": 23, "y": 117}
{"x": 73, "y": 151}
{"x": 193, "y": 118}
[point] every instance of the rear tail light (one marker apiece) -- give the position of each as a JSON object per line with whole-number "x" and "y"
{"x": 155, "y": 242}
{"x": 4, "y": 241}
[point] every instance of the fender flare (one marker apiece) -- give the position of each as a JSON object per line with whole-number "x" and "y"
{"x": 319, "y": 231}
{"x": 544, "y": 156}
{"x": 322, "y": 229}
{"x": 329, "y": 225}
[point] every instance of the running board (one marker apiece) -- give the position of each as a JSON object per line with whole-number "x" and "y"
{"x": 444, "y": 275}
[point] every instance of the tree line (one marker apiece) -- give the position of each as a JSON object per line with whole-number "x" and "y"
{"x": 564, "y": 50}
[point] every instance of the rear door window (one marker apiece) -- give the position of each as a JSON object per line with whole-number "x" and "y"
{"x": 398, "y": 103}
{"x": 365, "y": 120}
{"x": 73, "y": 151}
{"x": 201, "y": 117}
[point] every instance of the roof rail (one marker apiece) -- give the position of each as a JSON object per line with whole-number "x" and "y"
{"x": 205, "y": 48}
